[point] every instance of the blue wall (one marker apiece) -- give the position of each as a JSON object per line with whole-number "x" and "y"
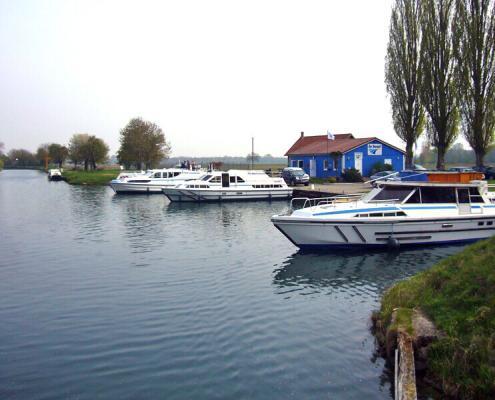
{"x": 369, "y": 160}
{"x": 320, "y": 171}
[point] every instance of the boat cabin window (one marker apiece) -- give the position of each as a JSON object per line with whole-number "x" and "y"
{"x": 157, "y": 175}
{"x": 176, "y": 173}
{"x": 240, "y": 180}
{"x": 267, "y": 186}
{"x": 216, "y": 179}
{"x": 393, "y": 193}
{"x": 383, "y": 214}
{"x": 232, "y": 179}
{"x": 475, "y": 195}
{"x": 438, "y": 195}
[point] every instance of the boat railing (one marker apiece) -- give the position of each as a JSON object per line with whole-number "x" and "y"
{"x": 319, "y": 201}
{"x": 383, "y": 177}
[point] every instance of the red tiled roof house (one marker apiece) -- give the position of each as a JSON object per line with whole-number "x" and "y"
{"x": 321, "y": 157}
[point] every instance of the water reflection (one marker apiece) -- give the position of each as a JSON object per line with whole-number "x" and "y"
{"x": 360, "y": 271}
{"x": 88, "y": 212}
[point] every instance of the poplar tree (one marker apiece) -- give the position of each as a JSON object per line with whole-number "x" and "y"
{"x": 403, "y": 73}
{"x": 438, "y": 89}
{"x": 476, "y": 73}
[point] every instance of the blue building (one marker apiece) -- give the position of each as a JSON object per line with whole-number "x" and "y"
{"x": 321, "y": 157}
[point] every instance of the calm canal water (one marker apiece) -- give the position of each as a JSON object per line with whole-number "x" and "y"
{"x": 132, "y": 297}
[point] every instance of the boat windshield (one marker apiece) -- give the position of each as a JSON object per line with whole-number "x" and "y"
{"x": 393, "y": 193}
{"x": 206, "y": 177}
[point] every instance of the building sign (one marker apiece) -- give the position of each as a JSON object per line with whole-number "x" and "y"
{"x": 374, "y": 149}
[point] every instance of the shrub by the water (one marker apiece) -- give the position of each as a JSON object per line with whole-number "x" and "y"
{"x": 352, "y": 175}
{"x": 332, "y": 179}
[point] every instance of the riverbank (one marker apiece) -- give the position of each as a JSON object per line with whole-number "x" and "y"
{"x": 98, "y": 177}
{"x": 458, "y": 295}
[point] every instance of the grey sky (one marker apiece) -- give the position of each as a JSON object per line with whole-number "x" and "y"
{"x": 210, "y": 73}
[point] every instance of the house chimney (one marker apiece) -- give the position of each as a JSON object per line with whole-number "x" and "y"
{"x": 302, "y": 134}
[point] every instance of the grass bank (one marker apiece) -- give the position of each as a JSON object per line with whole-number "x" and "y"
{"x": 458, "y": 295}
{"x": 99, "y": 177}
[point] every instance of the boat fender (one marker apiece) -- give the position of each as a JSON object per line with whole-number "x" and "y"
{"x": 392, "y": 242}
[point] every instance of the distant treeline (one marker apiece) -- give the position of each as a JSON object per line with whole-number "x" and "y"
{"x": 266, "y": 159}
{"x": 457, "y": 154}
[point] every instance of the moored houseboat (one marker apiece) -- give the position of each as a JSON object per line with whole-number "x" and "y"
{"x": 153, "y": 181}
{"x": 230, "y": 185}
{"x": 393, "y": 214}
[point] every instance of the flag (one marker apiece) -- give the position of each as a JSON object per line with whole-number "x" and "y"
{"x": 330, "y": 135}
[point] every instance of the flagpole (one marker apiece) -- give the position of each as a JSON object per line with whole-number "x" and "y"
{"x": 328, "y": 155}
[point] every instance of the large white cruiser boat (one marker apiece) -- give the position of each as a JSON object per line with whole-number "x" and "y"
{"x": 393, "y": 214}
{"x": 230, "y": 185}
{"x": 153, "y": 180}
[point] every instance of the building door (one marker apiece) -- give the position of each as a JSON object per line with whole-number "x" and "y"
{"x": 358, "y": 162}
{"x": 312, "y": 168}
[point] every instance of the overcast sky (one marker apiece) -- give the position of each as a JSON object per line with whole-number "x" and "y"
{"x": 210, "y": 73}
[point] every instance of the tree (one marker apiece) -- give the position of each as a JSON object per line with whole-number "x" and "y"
{"x": 95, "y": 151}
{"x": 87, "y": 149}
{"x": 403, "y": 73}
{"x": 476, "y": 73}
{"x": 58, "y": 153}
{"x": 438, "y": 90}
{"x": 2, "y": 155}
{"x": 42, "y": 154}
{"x": 253, "y": 157}
{"x": 21, "y": 158}
{"x": 142, "y": 142}
{"x": 76, "y": 146}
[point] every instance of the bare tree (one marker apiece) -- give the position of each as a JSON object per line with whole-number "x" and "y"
{"x": 403, "y": 73}
{"x": 476, "y": 73}
{"x": 438, "y": 87}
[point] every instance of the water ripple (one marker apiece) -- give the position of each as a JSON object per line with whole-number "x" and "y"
{"x": 128, "y": 297}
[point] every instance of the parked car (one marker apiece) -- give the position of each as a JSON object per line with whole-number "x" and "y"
{"x": 293, "y": 175}
{"x": 461, "y": 169}
{"x": 488, "y": 171}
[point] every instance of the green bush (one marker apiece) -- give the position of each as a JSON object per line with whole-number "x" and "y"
{"x": 1, "y": 164}
{"x": 352, "y": 175}
{"x": 332, "y": 179}
{"x": 379, "y": 167}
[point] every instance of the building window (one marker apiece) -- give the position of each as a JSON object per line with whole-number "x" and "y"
{"x": 387, "y": 161}
{"x": 293, "y": 163}
{"x": 334, "y": 164}
{"x": 298, "y": 163}
{"x": 325, "y": 165}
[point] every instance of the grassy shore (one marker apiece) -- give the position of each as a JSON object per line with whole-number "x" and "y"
{"x": 458, "y": 294}
{"x": 81, "y": 177}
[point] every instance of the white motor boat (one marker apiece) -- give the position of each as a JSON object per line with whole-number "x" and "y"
{"x": 55, "y": 175}
{"x": 153, "y": 181}
{"x": 393, "y": 214}
{"x": 230, "y": 185}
